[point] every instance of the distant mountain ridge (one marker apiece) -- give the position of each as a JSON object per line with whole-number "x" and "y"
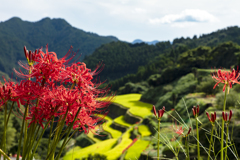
{"x": 141, "y": 41}
{"x": 57, "y": 33}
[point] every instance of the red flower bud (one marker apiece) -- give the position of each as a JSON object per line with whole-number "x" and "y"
{"x": 230, "y": 115}
{"x": 30, "y": 55}
{"x": 163, "y": 108}
{"x": 189, "y": 130}
{"x": 223, "y": 115}
{"x": 154, "y": 110}
{"x": 212, "y": 118}
{"x": 159, "y": 113}
{"x": 193, "y": 110}
{"x": 197, "y": 110}
{"x": 26, "y": 52}
{"x": 208, "y": 116}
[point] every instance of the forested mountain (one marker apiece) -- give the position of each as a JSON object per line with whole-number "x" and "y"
{"x": 179, "y": 61}
{"x": 121, "y": 58}
{"x": 57, "y": 33}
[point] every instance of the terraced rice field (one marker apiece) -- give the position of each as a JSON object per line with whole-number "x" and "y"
{"x": 119, "y": 141}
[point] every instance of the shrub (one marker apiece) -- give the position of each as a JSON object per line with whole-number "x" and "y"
{"x": 205, "y": 86}
{"x": 232, "y": 99}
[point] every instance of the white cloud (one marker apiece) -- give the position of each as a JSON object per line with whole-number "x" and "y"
{"x": 139, "y": 10}
{"x": 186, "y": 17}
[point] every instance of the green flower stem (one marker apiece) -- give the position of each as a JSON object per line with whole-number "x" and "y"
{"x": 70, "y": 128}
{"x": 70, "y": 138}
{"x": 5, "y": 129}
{"x": 50, "y": 135}
{"x": 5, "y": 156}
{"x": 222, "y": 132}
{"x": 32, "y": 139}
{"x": 198, "y": 147}
{"x": 65, "y": 143}
{"x": 9, "y": 113}
{"x": 158, "y": 143}
{"x": 27, "y": 144}
{"x": 57, "y": 136}
{"x": 210, "y": 144}
{"x": 25, "y": 129}
{"x": 187, "y": 148}
{"x": 64, "y": 132}
{"x": 226, "y": 143}
{"x": 21, "y": 134}
{"x": 176, "y": 156}
{"x": 39, "y": 138}
{"x": 54, "y": 142}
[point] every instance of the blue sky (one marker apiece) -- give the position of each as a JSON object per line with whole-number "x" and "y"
{"x": 131, "y": 19}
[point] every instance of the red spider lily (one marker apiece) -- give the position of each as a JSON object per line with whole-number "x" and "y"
{"x": 7, "y": 92}
{"x": 180, "y": 130}
{"x": 225, "y": 116}
{"x": 160, "y": 112}
{"x": 46, "y": 66}
{"x": 228, "y": 78}
{"x": 47, "y": 98}
{"x": 177, "y": 129}
{"x": 195, "y": 110}
{"x": 213, "y": 117}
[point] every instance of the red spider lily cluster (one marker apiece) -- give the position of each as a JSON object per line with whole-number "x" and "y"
{"x": 52, "y": 87}
{"x": 228, "y": 78}
{"x": 195, "y": 110}
{"x": 160, "y": 112}
{"x": 212, "y": 118}
{"x": 225, "y": 116}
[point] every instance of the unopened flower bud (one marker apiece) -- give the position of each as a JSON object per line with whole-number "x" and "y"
{"x": 26, "y": 52}
{"x": 161, "y": 112}
{"x": 223, "y": 115}
{"x": 189, "y": 130}
{"x": 197, "y": 110}
{"x": 208, "y": 116}
{"x": 30, "y": 55}
{"x": 230, "y": 115}
{"x": 154, "y": 111}
{"x": 193, "y": 110}
{"x": 212, "y": 118}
